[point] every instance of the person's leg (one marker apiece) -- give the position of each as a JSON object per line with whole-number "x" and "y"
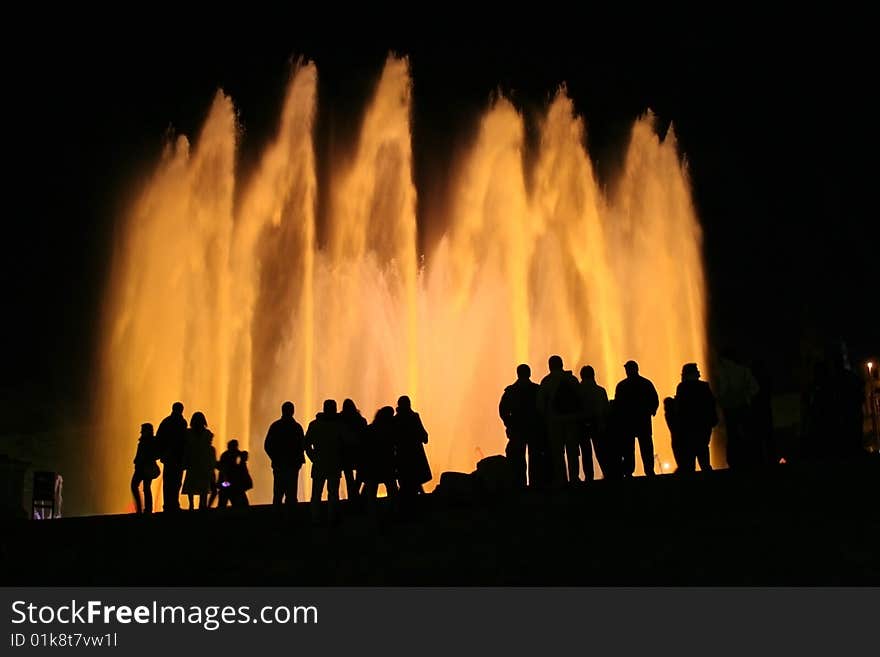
{"x": 556, "y": 444}
{"x": 587, "y": 438}
{"x": 317, "y": 490}
{"x": 350, "y": 489}
{"x": 148, "y": 496}
{"x": 277, "y": 487}
{"x": 646, "y": 450}
{"x": 516, "y": 457}
{"x": 135, "y": 483}
{"x": 292, "y": 483}
{"x": 333, "y": 496}
{"x": 572, "y": 453}
{"x": 703, "y": 452}
{"x": 171, "y": 480}
{"x": 629, "y": 454}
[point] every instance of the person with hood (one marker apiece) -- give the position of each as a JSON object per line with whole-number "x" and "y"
{"x": 325, "y": 439}
{"x": 559, "y": 404}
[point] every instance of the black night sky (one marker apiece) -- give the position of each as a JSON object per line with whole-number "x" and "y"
{"x": 774, "y": 120}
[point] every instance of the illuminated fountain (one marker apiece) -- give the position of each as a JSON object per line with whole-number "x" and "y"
{"x": 223, "y": 298}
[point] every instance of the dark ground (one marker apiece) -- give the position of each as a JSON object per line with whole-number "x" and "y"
{"x": 797, "y": 524}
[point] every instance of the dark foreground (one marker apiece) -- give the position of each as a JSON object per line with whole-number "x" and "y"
{"x": 793, "y": 525}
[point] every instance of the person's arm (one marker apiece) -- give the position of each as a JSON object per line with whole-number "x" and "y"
{"x": 310, "y": 442}
{"x": 423, "y": 434}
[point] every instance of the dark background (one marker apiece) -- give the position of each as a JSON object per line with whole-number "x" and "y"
{"x": 772, "y": 114}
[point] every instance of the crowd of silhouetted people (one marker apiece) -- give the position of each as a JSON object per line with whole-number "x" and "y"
{"x": 553, "y": 428}
{"x": 561, "y": 422}
{"x": 388, "y": 452}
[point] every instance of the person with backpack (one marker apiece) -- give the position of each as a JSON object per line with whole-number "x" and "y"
{"x": 559, "y": 403}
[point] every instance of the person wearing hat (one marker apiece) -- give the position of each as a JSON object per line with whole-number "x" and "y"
{"x": 696, "y": 415}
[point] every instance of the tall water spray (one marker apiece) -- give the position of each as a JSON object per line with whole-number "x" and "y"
{"x": 222, "y": 297}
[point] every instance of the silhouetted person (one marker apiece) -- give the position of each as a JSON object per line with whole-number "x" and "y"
{"x": 284, "y": 445}
{"x": 636, "y": 402}
{"x": 377, "y": 456}
{"x": 145, "y": 469}
{"x": 200, "y": 459}
{"x": 559, "y": 403}
{"x": 737, "y": 388}
{"x": 518, "y": 409}
{"x": 225, "y": 472}
{"x": 594, "y": 404}
{"x": 241, "y": 481}
{"x": 171, "y": 441}
{"x": 325, "y": 440}
{"x": 351, "y": 450}
{"x": 671, "y": 417}
{"x": 696, "y": 415}
{"x": 410, "y": 438}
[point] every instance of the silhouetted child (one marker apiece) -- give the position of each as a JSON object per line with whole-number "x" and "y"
{"x": 241, "y": 481}
{"x": 145, "y": 469}
{"x": 225, "y": 473}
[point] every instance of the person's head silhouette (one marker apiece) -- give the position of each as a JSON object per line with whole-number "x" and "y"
{"x": 404, "y": 404}
{"x": 523, "y": 372}
{"x": 329, "y": 407}
{"x": 232, "y": 445}
{"x": 348, "y": 406}
{"x": 287, "y": 409}
{"x": 384, "y": 414}
{"x": 690, "y": 372}
{"x": 555, "y": 363}
{"x": 632, "y": 368}
{"x": 588, "y": 373}
{"x": 146, "y": 430}
{"x": 177, "y": 408}
{"x": 198, "y": 421}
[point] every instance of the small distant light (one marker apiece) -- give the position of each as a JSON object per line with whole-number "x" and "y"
{"x": 870, "y": 366}
{"x": 782, "y": 461}
{"x": 665, "y": 466}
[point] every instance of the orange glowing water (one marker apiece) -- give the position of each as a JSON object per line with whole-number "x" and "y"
{"x": 221, "y": 296}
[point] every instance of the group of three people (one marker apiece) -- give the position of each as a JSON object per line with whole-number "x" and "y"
{"x": 560, "y": 421}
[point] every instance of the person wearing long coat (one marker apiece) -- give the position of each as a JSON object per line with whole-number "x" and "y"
{"x": 377, "y": 456}
{"x": 325, "y": 438}
{"x": 200, "y": 459}
{"x": 413, "y": 468}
